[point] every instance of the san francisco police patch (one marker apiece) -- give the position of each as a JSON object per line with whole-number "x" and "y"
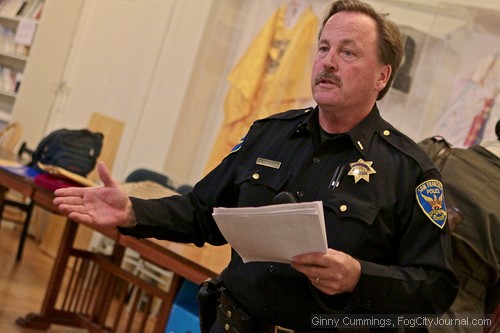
{"x": 431, "y": 199}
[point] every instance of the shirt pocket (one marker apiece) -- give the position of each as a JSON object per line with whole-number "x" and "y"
{"x": 349, "y": 221}
{"x": 259, "y": 185}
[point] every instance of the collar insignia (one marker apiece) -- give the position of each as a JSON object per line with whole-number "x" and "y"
{"x": 430, "y": 198}
{"x": 361, "y": 170}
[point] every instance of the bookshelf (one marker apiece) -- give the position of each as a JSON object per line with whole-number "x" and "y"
{"x": 18, "y": 24}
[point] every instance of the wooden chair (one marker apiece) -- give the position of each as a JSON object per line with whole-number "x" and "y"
{"x": 10, "y": 135}
{"x": 112, "y": 130}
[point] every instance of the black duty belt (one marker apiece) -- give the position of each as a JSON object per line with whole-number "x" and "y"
{"x": 235, "y": 320}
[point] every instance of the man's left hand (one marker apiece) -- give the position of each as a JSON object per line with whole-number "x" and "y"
{"x": 333, "y": 272}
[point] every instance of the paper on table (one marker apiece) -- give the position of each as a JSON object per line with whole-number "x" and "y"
{"x": 274, "y": 233}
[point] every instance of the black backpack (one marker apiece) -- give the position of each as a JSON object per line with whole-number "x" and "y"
{"x": 74, "y": 150}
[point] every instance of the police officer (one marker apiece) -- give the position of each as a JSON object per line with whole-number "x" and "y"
{"x": 382, "y": 196}
{"x": 472, "y": 180}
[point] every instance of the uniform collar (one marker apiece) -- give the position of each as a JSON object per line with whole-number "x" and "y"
{"x": 360, "y": 135}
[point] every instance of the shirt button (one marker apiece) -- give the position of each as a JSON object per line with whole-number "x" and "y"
{"x": 300, "y": 194}
{"x": 271, "y": 268}
{"x": 343, "y": 208}
{"x": 255, "y": 176}
{"x": 387, "y": 132}
{"x": 316, "y": 160}
{"x": 228, "y": 314}
{"x": 226, "y": 327}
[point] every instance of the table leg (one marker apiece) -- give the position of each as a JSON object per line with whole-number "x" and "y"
{"x": 3, "y": 192}
{"x": 46, "y": 316}
{"x": 24, "y": 232}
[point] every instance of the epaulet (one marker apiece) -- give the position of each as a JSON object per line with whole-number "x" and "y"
{"x": 407, "y": 146}
{"x": 287, "y": 115}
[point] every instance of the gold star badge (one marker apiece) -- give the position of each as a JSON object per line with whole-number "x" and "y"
{"x": 361, "y": 170}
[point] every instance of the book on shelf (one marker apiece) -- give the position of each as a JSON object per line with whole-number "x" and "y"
{"x": 19, "y": 79}
{"x": 21, "y": 8}
{"x": 25, "y": 32}
{"x": 11, "y": 7}
{"x": 8, "y": 77}
{"x": 35, "y": 10}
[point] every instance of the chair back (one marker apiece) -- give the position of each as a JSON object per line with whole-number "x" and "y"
{"x": 10, "y": 135}
{"x": 112, "y": 129}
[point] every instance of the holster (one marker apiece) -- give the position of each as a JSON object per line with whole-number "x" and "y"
{"x": 232, "y": 317}
{"x": 208, "y": 299}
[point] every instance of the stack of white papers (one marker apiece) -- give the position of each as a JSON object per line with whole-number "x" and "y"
{"x": 274, "y": 233}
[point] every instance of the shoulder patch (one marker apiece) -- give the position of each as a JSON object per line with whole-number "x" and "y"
{"x": 430, "y": 198}
{"x": 238, "y": 145}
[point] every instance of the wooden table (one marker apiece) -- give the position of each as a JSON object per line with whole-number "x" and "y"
{"x": 91, "y": 290}
{"x": 20, "y": 184}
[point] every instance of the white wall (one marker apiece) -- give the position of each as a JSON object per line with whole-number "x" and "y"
{"x": 132, "y": 60}
{"x": 46, "y": 65}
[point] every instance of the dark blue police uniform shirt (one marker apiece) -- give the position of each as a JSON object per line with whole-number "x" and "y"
{"x": 377, "y": 219}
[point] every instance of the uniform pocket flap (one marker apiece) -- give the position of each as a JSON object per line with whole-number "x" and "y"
{"x": 352, "y": 208}
{"x": 269, "y": 177}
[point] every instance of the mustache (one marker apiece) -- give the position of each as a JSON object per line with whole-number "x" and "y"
{"x": 325, "y": 75}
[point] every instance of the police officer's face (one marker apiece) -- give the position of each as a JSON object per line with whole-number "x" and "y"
{"x": 347, "y": 73}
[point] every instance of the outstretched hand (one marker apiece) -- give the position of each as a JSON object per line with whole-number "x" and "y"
{"x": 108, "y": 205}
